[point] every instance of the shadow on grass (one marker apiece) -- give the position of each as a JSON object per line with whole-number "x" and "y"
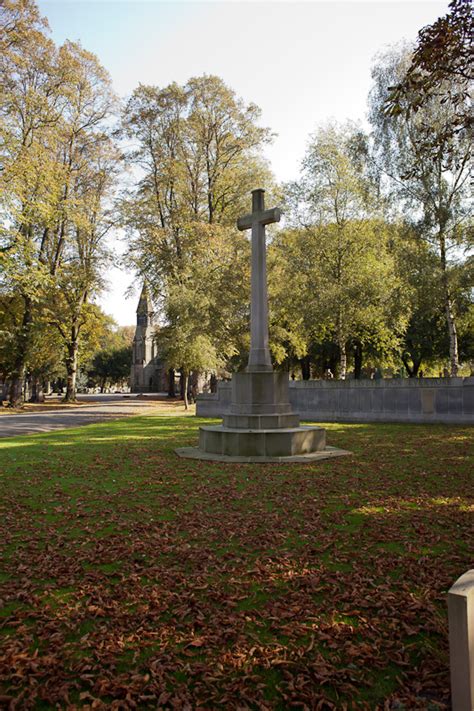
{"x": 131, "y": 573}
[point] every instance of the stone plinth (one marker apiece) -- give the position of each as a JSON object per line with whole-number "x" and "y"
{"x": 461, "y": 642}
{"x": 260, "y": 400}
{"x": 260, "y": 426}
{"x": 261, "y": 443}
{"x": 262, "y": 422}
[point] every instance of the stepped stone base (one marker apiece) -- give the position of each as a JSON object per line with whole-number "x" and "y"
{"x": 261, "y": 426}
{"x": 284, "y": 420}
{"x": 260, "y": 393}
{"x": 261, "y": 443}
{"x": 196, "y": 453}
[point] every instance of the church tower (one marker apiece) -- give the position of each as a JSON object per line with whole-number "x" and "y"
{"x": 147, "y": 369}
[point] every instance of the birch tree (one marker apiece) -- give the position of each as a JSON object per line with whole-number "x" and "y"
{"x": 430, "y": 183}
{"x": 348, "y": 266}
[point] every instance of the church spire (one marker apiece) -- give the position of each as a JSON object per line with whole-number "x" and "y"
{"x": 145, "y": 311}
{"x": 144, "y": 304}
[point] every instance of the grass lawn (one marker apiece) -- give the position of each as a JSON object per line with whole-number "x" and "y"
{"x": 131, "y": 578}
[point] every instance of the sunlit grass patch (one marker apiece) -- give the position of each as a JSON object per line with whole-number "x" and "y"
{"x": 127, "y": 568}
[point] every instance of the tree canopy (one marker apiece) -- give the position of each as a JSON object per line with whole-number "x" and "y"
{"x": 441, "y": 69}
{"x": 373, "y": 264}
{"x": 58, "y": 164}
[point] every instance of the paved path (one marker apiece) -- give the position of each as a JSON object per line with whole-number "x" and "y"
{"x": 109, "y": 408}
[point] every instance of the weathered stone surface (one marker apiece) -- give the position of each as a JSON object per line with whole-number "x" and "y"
{"x": 461, "y": 642}
{"x": 368, "y": 400}
{"x": 259, "y": 356}
{"x": 428, "y": 401}
{"x": 327, "y": 453}
{"x": 148, "y": 371}
{"x": 468, "y": 398}
{"x": 260, "y": 401}
{"x": 261, "y": 443}
{"x": 260, "y": 424}
{"x": 260, "y": 393}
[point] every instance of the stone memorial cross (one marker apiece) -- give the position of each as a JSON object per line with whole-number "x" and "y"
{"x": 260, "y": 424}
{"x": 259, "y": 357}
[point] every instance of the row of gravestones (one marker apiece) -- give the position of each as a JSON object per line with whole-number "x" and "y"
{"x": 461, "y": 642}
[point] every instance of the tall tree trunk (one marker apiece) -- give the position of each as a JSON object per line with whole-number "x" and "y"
{"x": 27, "y": 388}
{"x": 171, "y": 383}
{"x": 342, "y": 358}
{"x": 185, "y": 381}
{"x": 37, "y": 392}
{"x": 448, "y": 305}
{"x": 213, "y": 383}
{"x": 305, "y": 368}
{"x": 4, "y": 390}
{"x": 357, "y": 360}
{"x": 19, "y": 365}
{"x": 71, "y": 367}
{"x": 341, "y": 342}
{"x": 15, "y": 395}
{"x": 412, "y": 370}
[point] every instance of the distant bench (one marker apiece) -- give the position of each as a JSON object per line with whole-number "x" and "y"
{"x": 443, "y": 400}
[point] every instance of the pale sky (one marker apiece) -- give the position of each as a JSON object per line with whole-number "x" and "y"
{"x": 302, "y": 63}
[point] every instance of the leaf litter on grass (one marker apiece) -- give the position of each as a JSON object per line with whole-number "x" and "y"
{"x": 132, "y": 579}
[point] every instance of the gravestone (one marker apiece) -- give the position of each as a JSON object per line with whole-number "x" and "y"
{"x": 461, "y": 642}
{"x": 261, "y": 425}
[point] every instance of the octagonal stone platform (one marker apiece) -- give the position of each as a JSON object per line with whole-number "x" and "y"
{"x": 261, "y": 443}
{"x": 261, "y": 426}
{"x": 196, "y": 453}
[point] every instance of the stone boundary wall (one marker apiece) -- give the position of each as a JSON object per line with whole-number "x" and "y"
{"x": 443, "y": 400}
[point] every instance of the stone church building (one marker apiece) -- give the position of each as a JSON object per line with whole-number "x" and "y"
{"x": 148, "y": 372}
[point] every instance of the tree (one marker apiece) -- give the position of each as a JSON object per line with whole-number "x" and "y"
{"x": 183, "y": 342}
{"x": 45, "y": 361}
{"x": 440, "y": 68}
{"x": 88, "y": 160}
{"x": 463, "y": 279}
{"x": 295, "y": 321}
{"x": 109, "y": 356}
{"x": 111, "y": 366}
{"x": 425, "y": 340}
{"x": 206, "y": 313}
{"x": 45, "y": 351}
{"x": 197, "y": 150}
{"x": 430, "y": 187}
{"x": 341, "y": 246}
{"x": 344, "y": 290}
{"x": 84, "y": 256}
{"x": 29, "y": 111}
{"x": 58, "y": 163}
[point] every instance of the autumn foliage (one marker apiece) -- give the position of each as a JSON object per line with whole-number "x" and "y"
{"x": 135, "y": 579}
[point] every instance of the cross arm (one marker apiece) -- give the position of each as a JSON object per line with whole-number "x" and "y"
{"x": 264, "y": 218}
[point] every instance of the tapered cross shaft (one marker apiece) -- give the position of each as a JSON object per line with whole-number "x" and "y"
{"x": 259, "y": 357}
